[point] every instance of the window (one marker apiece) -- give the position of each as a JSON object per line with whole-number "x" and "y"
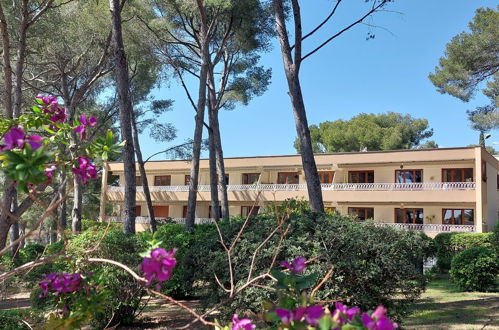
{"x": 457, "y": 217}
{"x": 484, "y": 171}
{"x": 164, "y": 180}
{"x": 360, "y": 176}
{"x": 160, "y": 211}
{"x": 288, "y": 178}
{"x": 249, "y": 211}
{"x": 409, "y": 215}
{"x": 187, "y": 179}
{"x": 226, "y": 179}
{"x": 184, "y": 211}
{"x": 138, "y": 210}
{"x": 361, "y": 213}
{"x": 457, "y": 175}
{"x": 250, "y": 178}
{"x": 138, "y": 181}
{"x": 498, "y": 181}
{"x": 408, "y": 176}
{"x": 326, "y": 176}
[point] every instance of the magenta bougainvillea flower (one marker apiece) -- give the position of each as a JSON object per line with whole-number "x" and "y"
{"x": 310, "y": 314}
{"x": 343, "y": 314}
{"x": 60, "y": 283}
{"x": 85, "y": 123}
{"x": 298, "y": 265}
{"x": 49, "y": 172}
{"x": 15, "y": 138}
{"x": 159, "y": 267}
{"x": 85, "y": 170}
{"x": 244, "y": 324}
{"x": 378, "y": 320}
{"x": 51, "y": 106}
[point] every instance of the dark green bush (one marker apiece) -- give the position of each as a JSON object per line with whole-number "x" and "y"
{"x": 30, "y": 252}
{"x": 99, "y": 225}
{"x": 371, "y": 265}
{"x": 15, "y": 319}
{"x": 475, "y": 269}
{"x": 447, "y": 245}
{"x": 124, "y": 293}
{"x": 494, "y": 239}
{"x": 181, "y": 284}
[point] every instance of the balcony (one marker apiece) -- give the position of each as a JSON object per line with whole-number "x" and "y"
{"x": 432, "y": 228}
{"x": 415, "y": 186}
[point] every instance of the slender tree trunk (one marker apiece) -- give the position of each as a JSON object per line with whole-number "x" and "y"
{"x": 145, "y": 184}
{"x": 77, "y": 204}
{"x": 215, "y": 210}
{"x": 14, "y": 231}
{"x": 198, "y": 130}
{"x": 292, "y": 69}
{"x": 63, "y": 216}
{"x": 21, "y": 55}
{"x": 125, "y": 110}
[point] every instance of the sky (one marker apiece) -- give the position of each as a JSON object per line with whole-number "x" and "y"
{"x": 347, "y": 77}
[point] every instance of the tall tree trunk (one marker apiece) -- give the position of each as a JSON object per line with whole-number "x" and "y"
{"x": 125, "y": 110}
{"x": 292, "y": 69}
{"x": 14, "y": 231}
{"x": 198, "y": 130}
{"x": 215, "y": 210}
{"x": 143, "y": 176}
{"x": 63, "y": 215}
{"x": 77, "y": 204}
{"x": 217, "y": 143}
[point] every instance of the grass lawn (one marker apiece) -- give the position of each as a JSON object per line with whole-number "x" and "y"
{"x": 443, "y": 306}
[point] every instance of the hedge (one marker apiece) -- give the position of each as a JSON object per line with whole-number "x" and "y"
{"x": 475, "y": 269}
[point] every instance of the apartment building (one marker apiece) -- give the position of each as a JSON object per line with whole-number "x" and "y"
{"x": 431, "y": 190}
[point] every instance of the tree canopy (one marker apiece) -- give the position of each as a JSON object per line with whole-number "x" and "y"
{"x": 385, "y": 131}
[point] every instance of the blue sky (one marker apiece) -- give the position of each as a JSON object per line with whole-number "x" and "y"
{"x": 348, "y": 77}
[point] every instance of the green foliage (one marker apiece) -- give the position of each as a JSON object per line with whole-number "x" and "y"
{"x": 448, "y": 244}
{"x": 14, "y": 319}
{"x": 475, "y": 269}
{"x": 169, "y": 236}
{"x": 494, "y": 239}
{"x": 30, "y": 252}
{"x": 386, "y": 131}
{"x": 99, "y": 225}
{"x": 371, "y": 265}
{"x": 471, "y": 58}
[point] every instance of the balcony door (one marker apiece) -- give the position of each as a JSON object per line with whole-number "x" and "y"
{"x": 326, "y": 176}
{"x": 408, "y": 176}
{"x": 457, "y": 217}
{"x": 288, "y": 178}
{"x": 360, "y": 176}
{"x": 457, "y": 175}
{"x": 161, "y": 211}
{"x": 409, "y": 215}
{"x": 163, "y": 180}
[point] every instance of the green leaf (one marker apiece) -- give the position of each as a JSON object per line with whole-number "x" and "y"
{"x": 325, "y": 323}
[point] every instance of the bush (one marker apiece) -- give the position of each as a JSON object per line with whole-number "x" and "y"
{"x": 123, "y": 292}
{"x": 181, "y": 284}
{"x": 447, "y": 245}
{"x": 475, "y": 269}
{"x": 371, "y": 265}
{"x": 15, "y": 319}
{"x": 99, "y": 225}
{"x": 494, "y": 239}
{"x": 30, "y": 252}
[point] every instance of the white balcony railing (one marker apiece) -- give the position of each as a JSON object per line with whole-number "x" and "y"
{"x": 146, "y": 220}
{"x": 416, "y": 186}
{"x": 432, "y": 228}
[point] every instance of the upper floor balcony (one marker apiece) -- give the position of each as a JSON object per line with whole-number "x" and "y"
{"x": 413, "y": 186}
{"x": 340, "y": 192}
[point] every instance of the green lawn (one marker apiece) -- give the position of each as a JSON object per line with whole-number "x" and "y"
{"x": 442, "y": 306}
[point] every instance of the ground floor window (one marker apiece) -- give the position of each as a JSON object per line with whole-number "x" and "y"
{"x": 361, "y": 213}
{"x": 160, "y": 211}
{"x": 458, "y": 217}
{"x": 409, "y": 215}
{"x": 249, "y": 211}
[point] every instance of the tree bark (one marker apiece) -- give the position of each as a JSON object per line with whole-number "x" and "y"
{"x": 292, "y": 69}
{"x": 77, "y": 204}
{"x": 14, "y": 231}
{"x": 125, "y": 112}
{"x": 198, "y": 130}
{"x": 63, "y": 216}
{"x": 215, "y": 210}
{"x": 142, "y": 169}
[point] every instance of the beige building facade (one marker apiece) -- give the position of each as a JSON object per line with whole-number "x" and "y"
{"x": 431, "y": 190}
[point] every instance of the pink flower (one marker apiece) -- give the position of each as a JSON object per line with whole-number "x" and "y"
{"x": 61, "y": 283}
{"x": 160, "y": 266}
{"x": 378, "y": 320}
{"x": 15, "y": 138}
{"x": 343, "y": 314}
{"x": 310, "y": 314}
{"x": 86, "y": 170}
{"x": 244, "y": 324}
{"x": 313, "y": 314}
{"x": 49, "y": 172}
{"x": 51, "y": 106}
{"x": 85, "y": 123}
{"x": 285, "y": 315}
{"x": 298, "y": 266}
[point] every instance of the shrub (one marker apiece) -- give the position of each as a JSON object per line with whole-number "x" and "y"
{"x": 123, "y": 292}
{"x": 447, "y": 245}
{"x": 15, "y": 319}
{"x": 181, "y": 284}
{"x": 99, "y": 225}
{"x": 475, "y": 269}
{"x": 494, "y": 239}
{"x": 29, "y": 253}
{"x": 371, "y": 265}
